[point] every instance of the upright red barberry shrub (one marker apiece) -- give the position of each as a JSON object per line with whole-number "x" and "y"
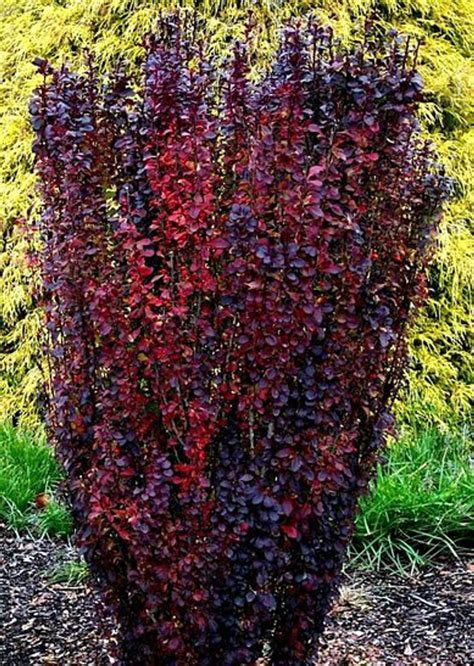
{"x": 229, "y": 269}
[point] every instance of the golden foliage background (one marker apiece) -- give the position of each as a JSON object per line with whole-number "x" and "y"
{"x": 440, "y": 384}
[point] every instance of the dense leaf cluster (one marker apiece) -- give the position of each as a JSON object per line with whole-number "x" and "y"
{"x": 229, "y": 268}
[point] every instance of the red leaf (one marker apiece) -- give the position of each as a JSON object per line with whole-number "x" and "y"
{"x": 219, "y": 243}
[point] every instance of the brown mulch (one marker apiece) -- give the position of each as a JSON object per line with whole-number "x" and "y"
{"x": 387, "y": 619}
{"x": 379, "y": 619}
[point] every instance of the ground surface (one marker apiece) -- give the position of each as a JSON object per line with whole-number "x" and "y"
{"x": 380, "y": 619}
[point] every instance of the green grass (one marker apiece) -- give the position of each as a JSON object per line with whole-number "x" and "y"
{"x": 422, "y": 504}
{"x": 55, "y": 520}
{"x": 28, "y": 469}
{"x": 73, "y": 572}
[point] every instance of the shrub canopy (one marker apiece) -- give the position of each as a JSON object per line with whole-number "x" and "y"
{"x": 229, "y": 268}
{"x": 440, "y": 386}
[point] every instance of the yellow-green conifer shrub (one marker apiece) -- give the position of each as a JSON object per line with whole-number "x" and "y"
{"x": 440, "y": 385}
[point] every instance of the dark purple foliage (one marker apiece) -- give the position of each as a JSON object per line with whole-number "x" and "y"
{"x": 229, "y": 269}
